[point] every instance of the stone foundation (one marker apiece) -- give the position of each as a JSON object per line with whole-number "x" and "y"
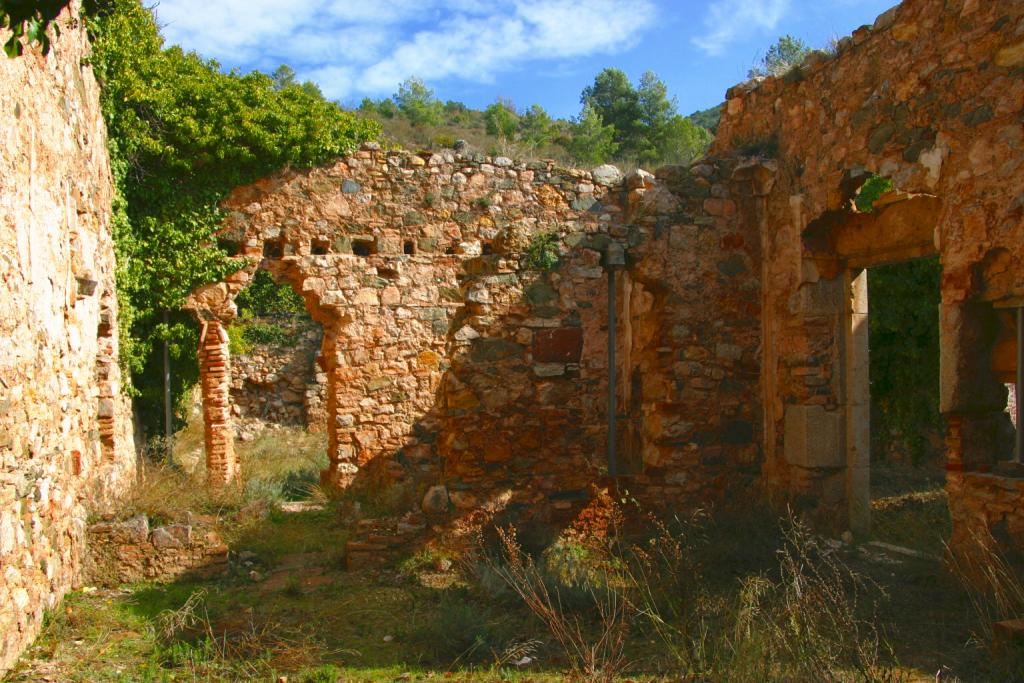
{"x": 66, "y": 446}
{"x": 130, "y": 551}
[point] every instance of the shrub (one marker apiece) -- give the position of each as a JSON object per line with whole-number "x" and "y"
{"x": 543, "y": 251}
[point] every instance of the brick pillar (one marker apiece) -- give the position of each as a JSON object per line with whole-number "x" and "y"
{"x": 215, "y": 378}
{"x": 340, "y": 426}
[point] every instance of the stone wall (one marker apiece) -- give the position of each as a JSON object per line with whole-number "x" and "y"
{"x": 131, "y": 551}
{"x": 986, "y": 507}
{"x": 66, "y": 444}
{"x": 281, "y": 383}
{"x": 930, "y": 96}
{"x": 454, "y": 354}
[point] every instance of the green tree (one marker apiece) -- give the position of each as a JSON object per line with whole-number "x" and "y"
{"x": 417, "y": 103}
{"x": 501, "y": 120}
{"x": 182, "y": 134}
{"x": 536, "y": 127}
{"x": 904, "y": 363}
{"x": 283, "y": 77}
{"x": 684, "y": 141}
{"x": 785, "y": 54}
{"x": 645, "y": 120}
{"x": 614, "y": 99}
{"x": 592, "y": 141}
{"x": 456, "y": 112}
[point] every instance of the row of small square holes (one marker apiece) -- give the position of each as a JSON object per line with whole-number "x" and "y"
{"x": 275, "y": 248}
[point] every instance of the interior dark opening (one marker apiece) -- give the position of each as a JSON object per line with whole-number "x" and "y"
{"x": 273, "y": 249}
{"x": 363, "y": 247}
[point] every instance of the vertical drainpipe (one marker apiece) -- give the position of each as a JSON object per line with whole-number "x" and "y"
{"x": 1019, "y": 451}
{"x": 614, "y": 259}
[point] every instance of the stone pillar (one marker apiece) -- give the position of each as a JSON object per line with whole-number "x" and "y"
{"x": 857, "y": 397}
{"x": 222, "y": 464}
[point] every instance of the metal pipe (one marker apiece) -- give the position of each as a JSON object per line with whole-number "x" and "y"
{"x": 612, "y": 324}
{"x": 1019, "y": 452}
{"x": 168, "y": 413}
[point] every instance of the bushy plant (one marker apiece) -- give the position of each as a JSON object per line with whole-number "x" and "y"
{"x": 543, "y": 251}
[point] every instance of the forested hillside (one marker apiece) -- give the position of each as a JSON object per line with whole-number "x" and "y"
{"x": 618, "y": 122}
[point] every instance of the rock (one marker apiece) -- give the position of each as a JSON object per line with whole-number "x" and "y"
{"x": 466, "y": 333}
{"x": 435, "y": 501}
{"x": 137, "y": 528}
{"x": 463, "y": 500}
{"x": 549, "y": 369}
{"x": 607, "y": 175}
{"x": 161, "y": 538}
{"x": 461, "y": 146}
{"x": 254, "y": 511}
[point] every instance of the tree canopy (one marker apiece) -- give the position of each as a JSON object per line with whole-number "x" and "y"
{"x": 417, "y": 102}
{"x": 29, "y": 20}
{"x": 645, "y": 121}
{"x": 786, "y": 53}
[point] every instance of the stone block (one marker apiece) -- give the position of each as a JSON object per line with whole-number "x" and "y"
{"x": 561, "y": 345}
{"x": 435, "y": 501}
{"x": 813, "y": 437}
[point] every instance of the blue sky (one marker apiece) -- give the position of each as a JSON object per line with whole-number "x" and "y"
{"x": 532, "y": 51}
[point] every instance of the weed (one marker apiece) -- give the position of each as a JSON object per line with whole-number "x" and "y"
{"x": 873, "y": 188}
{"x": 543, "y": 251}
{"x": 328, "y": 673}
{"x": 594, "y": 654}
{"x": 995, "y": 586}
{"x": 292, "y": 587}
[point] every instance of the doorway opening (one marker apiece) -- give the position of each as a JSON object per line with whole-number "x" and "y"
{"x": 909, "y": 507}
{"x": 277, "y": 389}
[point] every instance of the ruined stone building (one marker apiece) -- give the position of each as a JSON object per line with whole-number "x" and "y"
{"x": 738, "y": 313}
{"x": 475, "y": 311}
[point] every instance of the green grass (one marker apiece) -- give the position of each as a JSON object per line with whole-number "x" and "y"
{"x": 909, "y": 507}
{"x": 305, "y": 617}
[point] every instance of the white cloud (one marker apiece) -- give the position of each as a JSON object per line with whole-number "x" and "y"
{"x": 368, "y": 47}
{"x": 728, "y": 20}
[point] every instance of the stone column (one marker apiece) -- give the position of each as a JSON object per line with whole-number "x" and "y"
{"x": 340, "y": 450}
{"x": 222, "y": 464}
{"x": 857, "y": 397}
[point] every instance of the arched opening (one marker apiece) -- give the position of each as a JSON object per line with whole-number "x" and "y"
{"x": 277, "y": 394}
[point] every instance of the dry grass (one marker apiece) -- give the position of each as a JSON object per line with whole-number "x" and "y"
{"x": 995, "y": 586}
{"x": 280, "y": 464}
{"x": 806, "y": 618}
